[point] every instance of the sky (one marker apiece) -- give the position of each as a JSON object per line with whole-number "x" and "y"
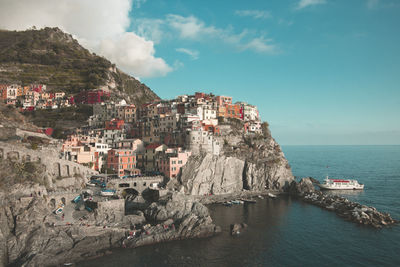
{"x": 322, "y": 72}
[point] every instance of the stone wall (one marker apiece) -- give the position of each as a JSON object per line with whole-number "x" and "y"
{"x": 139, "y": 184}
{"x": 55, "y": 167}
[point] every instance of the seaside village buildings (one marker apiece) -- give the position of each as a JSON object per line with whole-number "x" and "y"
{"x": 151, "y": 139}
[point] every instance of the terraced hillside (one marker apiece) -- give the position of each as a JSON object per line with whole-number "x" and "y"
{"x": 54, "y": 58}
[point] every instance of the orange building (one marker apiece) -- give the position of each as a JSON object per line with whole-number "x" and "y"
{"x": 122, "y": 161}
{"x": 230, "y": 111}
{"x": 211, "y": 128}
{"x": 114, "y": 124}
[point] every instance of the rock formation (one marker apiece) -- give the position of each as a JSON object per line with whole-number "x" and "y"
{"x": 246, "y": 162}
{"x": 237, "y": 228}
{"x": 177, "y": 217}
{"x": 29, "y": 237}
{"x": 343, "y": 207}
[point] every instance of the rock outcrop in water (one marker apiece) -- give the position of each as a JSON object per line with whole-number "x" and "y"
{"x": 246, "y": 162}
{"x": 343, "y": 207}
{"x": 177, "y": 217}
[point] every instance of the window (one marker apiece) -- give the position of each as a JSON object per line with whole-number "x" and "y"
{"x": 144, "y": 184}
{"x": 179, "y": 161}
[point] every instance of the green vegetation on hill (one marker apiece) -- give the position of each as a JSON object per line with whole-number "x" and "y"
{"x": 52, "y": 57}
{"x": 61, "y": 119}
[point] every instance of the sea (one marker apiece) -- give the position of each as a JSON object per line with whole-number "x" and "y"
{"x": 288, "y": 232}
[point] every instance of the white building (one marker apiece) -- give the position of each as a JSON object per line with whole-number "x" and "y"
{"x": 12, "y": 91}
{"x": 250, "y": 112}
{"x": 202, "y": 141}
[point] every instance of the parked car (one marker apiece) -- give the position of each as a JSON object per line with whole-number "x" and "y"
{"x": 59, "y": 210}
{"x": 77, "y": 199}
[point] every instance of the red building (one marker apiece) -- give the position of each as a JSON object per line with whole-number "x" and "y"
{"x": 91, "y": 97}
{"x": 211, "y": 128}
{"x": 122, "y": 161}
{"x": 114, "y": 124}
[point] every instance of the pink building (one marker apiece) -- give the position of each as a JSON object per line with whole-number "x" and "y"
{"x": 171, "y": 162}
{"x": 72, "y": 141}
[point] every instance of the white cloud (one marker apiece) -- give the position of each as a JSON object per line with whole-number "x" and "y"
{"x": 151, "y": 29}
{"x": 94, "y": 23}
{"x": 371, "y": 4}
{"x": 260, "y": 45}
{"x": 134, "y": 54}
{"x": 190, "y": 27}
{"x": 192, "y": 53}
{"x": 256, "y": 14}
{"x": 285, "y": 22}
{"x": 193, "y": 29}
{"x": 305, "y": 3}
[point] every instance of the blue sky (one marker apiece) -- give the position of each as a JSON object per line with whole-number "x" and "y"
{"x": 329, "y": 74}
{"x": 320, "y": 71}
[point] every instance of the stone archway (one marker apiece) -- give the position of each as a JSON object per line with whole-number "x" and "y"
{"x": 130, "y": 192}
{"x": 65, "y": 170}
{"x": 53, "y": 203}
{"x": 57, "y": 169}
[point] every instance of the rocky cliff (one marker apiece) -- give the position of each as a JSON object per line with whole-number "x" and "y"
{"x": 246, "y": 162}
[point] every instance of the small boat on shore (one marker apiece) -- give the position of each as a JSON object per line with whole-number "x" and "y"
{"x": 227, "y": 203}
{"x": 271, "y": 195}
{"x": 237, "y": 202}
{"x": 107, "y": 192}
{"x": 248, "y": 200}
{"x": 340, "y": 184}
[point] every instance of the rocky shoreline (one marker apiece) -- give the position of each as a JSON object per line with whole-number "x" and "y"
{"x": 30, "y": 239}
{"x": 351, "y": 211}
{"x": 29, "y": 236}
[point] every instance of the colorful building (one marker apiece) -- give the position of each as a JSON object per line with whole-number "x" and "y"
{"x": 223, "y": 100}
{"x": 171, "y": 161}
{"x": 91, "y": 97}
{"x": 115, "y": 124}
{"x": 122, "y": 161}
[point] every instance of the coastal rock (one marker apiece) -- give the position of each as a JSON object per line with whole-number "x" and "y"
{"x": 212, "y": 174}
{"x": 304, "y": 186}
{"x": 245, "y": 163}
{"x": 237, "y": 228}
{"x": 349, "y": 210}
{"x": 28, "y": 236}
{"x": 177, "y": 217}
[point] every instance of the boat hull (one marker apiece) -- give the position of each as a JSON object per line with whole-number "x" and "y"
{"x": 328, "y": 187}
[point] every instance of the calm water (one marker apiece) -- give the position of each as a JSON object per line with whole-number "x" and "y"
{"x": 286, "y": 232}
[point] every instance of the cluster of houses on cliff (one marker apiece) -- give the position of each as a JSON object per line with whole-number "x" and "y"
{"x": 156, "y": 137}
{"x": 36, "y": 96}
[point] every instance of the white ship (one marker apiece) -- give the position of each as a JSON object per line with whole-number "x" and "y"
{"x": 340, "y": 184}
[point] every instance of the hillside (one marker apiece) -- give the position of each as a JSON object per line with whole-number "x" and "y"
{"x": 52, "y": 57}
